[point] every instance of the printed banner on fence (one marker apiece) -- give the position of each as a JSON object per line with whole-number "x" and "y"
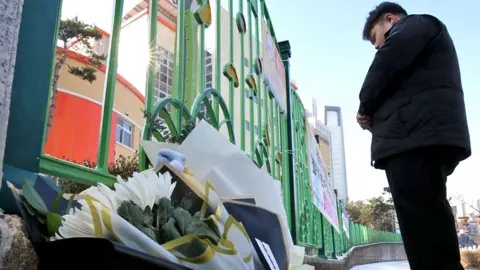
{"x": 346, "y": 221}
{"x": 273, "y": 68}
{"x": 323, "y": 195}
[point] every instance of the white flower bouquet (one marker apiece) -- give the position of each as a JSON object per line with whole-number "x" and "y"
{"x": 159, "y": 212}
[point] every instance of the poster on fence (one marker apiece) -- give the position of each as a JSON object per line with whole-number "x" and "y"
{"x": 346, "y": 221}
{"x": 273, "y": 68}
{"x": 323, "y": 195}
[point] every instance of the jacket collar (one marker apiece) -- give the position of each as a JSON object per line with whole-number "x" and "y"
{"x": 391, "y": 28}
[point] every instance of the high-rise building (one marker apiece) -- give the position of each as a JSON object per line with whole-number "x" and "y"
{"x": 454, "y": 211}
{"x": 333, "y": 121}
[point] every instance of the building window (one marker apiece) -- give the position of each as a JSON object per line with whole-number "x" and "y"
{"x": 256, "y": 129}
{"x": 247, "y": 125}
{"x": 163, "y": 74}
{"x": 247, "y": 95}
{"x": 208, "y": 83}
{"x": 245, "y": 61}
{"x": 124, "y": 132}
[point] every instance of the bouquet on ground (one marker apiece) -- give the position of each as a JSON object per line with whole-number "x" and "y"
{"x": 248, "y": 193}
{"x": 162, "y": 212}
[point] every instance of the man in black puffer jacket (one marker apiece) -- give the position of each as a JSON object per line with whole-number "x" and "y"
{"x": 412, "y": 102}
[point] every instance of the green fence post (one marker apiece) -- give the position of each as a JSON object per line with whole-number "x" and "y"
{"x": 109, "y": 92}
{"x": 152, "y": 24}
{"x": 286, "y": 54}
{"x": 36, "y": 49}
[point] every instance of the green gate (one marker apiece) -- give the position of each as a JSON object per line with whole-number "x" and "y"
{"x": 279, "y": 145}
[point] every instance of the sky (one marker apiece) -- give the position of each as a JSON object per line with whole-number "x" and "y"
{"x": 330, "y": 60}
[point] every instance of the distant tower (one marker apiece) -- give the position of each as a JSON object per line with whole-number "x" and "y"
{"x": 333, "y": 120}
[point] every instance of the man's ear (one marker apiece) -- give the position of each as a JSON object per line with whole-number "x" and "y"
{"x": 389, "y": 17}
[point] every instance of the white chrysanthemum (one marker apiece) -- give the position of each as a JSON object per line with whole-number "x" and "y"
{"x": 103, "y": 194}
{"x": 153, "y": 187}
{"x": 143, "y": 189}
{"x": 78, "y": 223}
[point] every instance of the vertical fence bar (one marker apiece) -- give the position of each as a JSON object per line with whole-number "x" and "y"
{"x": 259, "y": 83}
{"x": 231, "y": 96}
{"x": 152, "y": 39}
{"x": 57, "y": 27}
{"x": 285, "y": 53}
{"x": 272, "y": 114}
{"x": 288, "y": 190}
{"x": 178, "y": 91}
{"x": 218, "y": 63}
{"x": 109, "y": 92}
{"x": 280, "y": 146}
{"x": 201, "y": 61}
{"x": 242, "y": 79}
{"x": 253, "y": 95}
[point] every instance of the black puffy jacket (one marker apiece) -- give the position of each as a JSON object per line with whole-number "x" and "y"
{"x": 413, "y": 91}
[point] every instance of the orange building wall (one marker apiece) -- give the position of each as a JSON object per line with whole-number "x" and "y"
{"x": 75, "y": 130}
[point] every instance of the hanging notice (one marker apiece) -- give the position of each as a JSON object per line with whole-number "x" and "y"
{"x": 273, "y": 68}
{"x": 323, "y": 195}
{"x": 346, "y": 221}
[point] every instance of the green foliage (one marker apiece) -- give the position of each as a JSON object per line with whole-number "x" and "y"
{"x": 123, "y": 166}
{"x": 376, "y": 213}
{"x": 35, "y": 206}
{"x": 203, "y": 228}
{"x": 163, "y": 211}
{"x": 142, "y": 220}
{"x": 74, "y": 30}
{"x": 54, "y": 221}
{"x": 165, "y": 222}
{"x": 160, "y": 125}
{"x": 33, "y": 198}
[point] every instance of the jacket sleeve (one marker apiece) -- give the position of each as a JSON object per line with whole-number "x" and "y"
{"x": 407, "y": 40}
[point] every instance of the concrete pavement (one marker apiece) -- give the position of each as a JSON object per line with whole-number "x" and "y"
{"x": 384, "y": 266}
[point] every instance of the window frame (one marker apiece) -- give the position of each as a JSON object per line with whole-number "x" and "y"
{"x": 124, "y": 130}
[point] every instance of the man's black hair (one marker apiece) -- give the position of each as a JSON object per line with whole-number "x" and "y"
{"x": 377, "y": 14}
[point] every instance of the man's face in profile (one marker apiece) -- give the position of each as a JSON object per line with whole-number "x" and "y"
{"x": 377, "y": 35}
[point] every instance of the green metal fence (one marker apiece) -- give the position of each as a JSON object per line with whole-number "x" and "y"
{"x": 280, "y": 146}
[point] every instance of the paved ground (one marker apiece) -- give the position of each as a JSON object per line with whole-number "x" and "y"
{"x": 384, "y": 266}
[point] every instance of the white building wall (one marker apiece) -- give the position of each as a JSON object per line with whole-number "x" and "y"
{"x": 333, "y": 120}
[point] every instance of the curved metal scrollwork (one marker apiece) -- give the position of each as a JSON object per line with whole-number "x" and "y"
{"x": 152, "y": 126}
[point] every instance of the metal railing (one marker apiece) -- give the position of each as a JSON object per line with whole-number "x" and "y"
{"x": 281, "y": 144}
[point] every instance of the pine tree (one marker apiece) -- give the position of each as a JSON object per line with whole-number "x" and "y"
{"x": 74, "y": 30}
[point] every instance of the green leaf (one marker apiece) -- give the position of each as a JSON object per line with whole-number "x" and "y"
{"x": 56, "y": 202}
{"x": 29, "y": 209}
{"x": 211, "y": 223}
{"x": 70, "y": 202}
{"x": 150, "y": 232}
{"x": 169, "y": 232}
{"x": 54, "y": 221}
{"x": 132, "y": 213}
{"x": 183, "y": 219}
{"x": 197, "y": 216}
{"x": 203, "y": 229}
{"x": 33, "y": 198}
{"x": 188, "y": 201}
{"x": 148, "y": 216}
{"x": 42, "y": 219}
{"x": 163, "y": 211}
